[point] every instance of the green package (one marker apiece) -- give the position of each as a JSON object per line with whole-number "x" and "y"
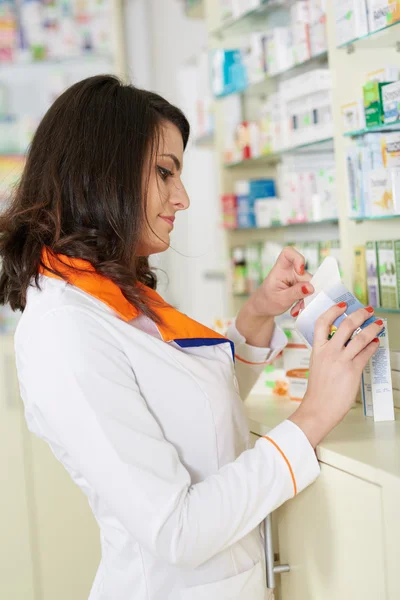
{"x": 373, "y": 103}
{"x": 387, "y": 274}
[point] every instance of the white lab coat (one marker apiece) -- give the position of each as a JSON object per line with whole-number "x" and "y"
{"x": 156, "y": 436}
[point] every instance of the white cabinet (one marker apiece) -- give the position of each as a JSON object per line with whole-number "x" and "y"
{"x": 16, "y": 567}
{"x": 332, "y": 536}
{"x": 49, "y": 540}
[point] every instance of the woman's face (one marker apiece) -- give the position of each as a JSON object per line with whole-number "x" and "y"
{"x": 166, "y": 194}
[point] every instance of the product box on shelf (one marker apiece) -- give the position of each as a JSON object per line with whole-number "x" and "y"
{"x": 228, "y": 72}
{"x": 360, "y": 275}
{"x": 373, "y": 103}
{"x": 391, "y": 149}
{"x": 386, "y": 73}
{"x": 356, "y": 182}
{"x": 371, "y": 258}
{"x": 353, "y": 116}
{"x": 391, "y": 102}
{"x": 387, "y": 274}
{"x": 239, "y": 271}
{"x": 229, "y": 211}
{"x": 253, "y": 267}
{"x": 245, "y": 206}
{"x": 255, "y": 58}
{"x": 270, "y": 212}
{"x": 278, "y": 50}
{"x": 324, "y": 201}
{"x": 318, "y": 36}
{"x": 382, "y": 13}
{"x": 351, "y": 20}
{"x": 232, "y": 117}
{"x": 380, "y": 193}
{"x": 248, "y": 140}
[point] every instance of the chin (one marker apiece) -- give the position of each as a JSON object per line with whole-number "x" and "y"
{"x": 154, "y": 246}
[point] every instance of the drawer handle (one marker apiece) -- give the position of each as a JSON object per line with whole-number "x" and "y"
{"x": 271, "y": 568}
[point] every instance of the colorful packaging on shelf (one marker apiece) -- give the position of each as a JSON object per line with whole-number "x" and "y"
{"x": 382, "y": 13}
{"x": 376, "y": 388}
{"x": 387, "y": 274}
{"x": 373, "y": 103}
{"x": 355, "y": 177}
{"x": 245, "y": 206}
{"x": 228, "y": 72}
{"x": 269, "y": 212}
{"x": 350, "y": 20}
{"x": 360, "y": 285}
{"x": 371, "y": 258}
{"x": 391, "y": 102}
{"x": 229, "y": 211}
{"x": 329, "y": 290}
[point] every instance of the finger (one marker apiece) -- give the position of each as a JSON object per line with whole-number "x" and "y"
{"x": 324, "y": 323}
{"x": 351, "y": 324}
{"x": 365, "y": 355}
{"x": 297, "y": 292}
{"x": 295, "y": 310}
{"x": 290, "y": 257}
{"x": 363, "y": 339}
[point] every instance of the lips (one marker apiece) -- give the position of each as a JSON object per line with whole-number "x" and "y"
{"x": 169, "y": 220}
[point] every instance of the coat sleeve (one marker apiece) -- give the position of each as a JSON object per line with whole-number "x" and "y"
{"x": 82, "y": 392}
{"x": 250, "y": 360}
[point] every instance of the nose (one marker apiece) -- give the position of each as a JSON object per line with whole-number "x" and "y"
{"x": 179, "y": 197}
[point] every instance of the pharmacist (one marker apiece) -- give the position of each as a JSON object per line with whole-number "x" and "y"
{"x": 142, "y": 405}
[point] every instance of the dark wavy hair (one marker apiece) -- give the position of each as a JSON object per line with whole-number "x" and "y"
{"x": 83, "y": 190}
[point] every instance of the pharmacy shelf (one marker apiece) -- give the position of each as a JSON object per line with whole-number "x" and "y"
{"x": 374, "y": 218}
{"x": 317, "y": 147}
{"x": 248, "y": 21}
{"x": 373, "y": 40}
{"x": 257, "y": 87}
{"x": 304, "y": 224}
{"x": 376, "y": 129}
{"x": 194, "y": 9}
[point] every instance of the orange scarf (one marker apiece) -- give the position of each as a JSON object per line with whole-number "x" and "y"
{"x": 175, "y": 326}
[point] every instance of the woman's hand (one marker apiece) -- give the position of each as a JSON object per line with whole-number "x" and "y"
{"x": 335, "y": 371}
{"x": 286, "y": 285}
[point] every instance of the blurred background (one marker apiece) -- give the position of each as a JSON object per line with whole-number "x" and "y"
{"x": 294, "y": 107}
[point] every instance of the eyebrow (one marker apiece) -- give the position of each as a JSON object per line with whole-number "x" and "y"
{"x": 175, "y": 159}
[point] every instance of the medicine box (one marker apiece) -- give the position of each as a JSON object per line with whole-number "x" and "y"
{"x": 382, "y": 13}
{"x": 351, "y": 20}
{"x": 371, "y": 258}
{"x": 373, "y": 103}
{"x": 360, "y": 275}
{"x": 387, "y": 274}
{"x": 380, "y": 193}
{"x": 391, "y": 102}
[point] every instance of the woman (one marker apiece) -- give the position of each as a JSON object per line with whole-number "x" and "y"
{"x": 140, "y": 403}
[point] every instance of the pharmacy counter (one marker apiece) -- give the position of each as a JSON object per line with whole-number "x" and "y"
{"x": 341, "y": 536}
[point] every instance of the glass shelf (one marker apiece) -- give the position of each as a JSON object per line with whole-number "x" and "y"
{"x": 374, "y": 40}
{"x": 324, "y": 145}
{"x": 377, "y": 218}
{"x": 376, "y": 129}
{"x": 257, "y": 87}
{"x": 303, "y": 224}
{"x": 248, "y": 21}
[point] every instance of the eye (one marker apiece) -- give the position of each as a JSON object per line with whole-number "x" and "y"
{"x": 164, "y": 173}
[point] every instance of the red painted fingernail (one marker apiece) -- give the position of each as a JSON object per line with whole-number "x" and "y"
{"x": 295, "y": 314}
{"x": 342, "y": 305}
{"x": 376, "y": 340}
{"x": 304, "y": 289}
{"x": 379, "y": 322}
{"x": 301, "y": 270}
{"x": 370, "y": 309}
